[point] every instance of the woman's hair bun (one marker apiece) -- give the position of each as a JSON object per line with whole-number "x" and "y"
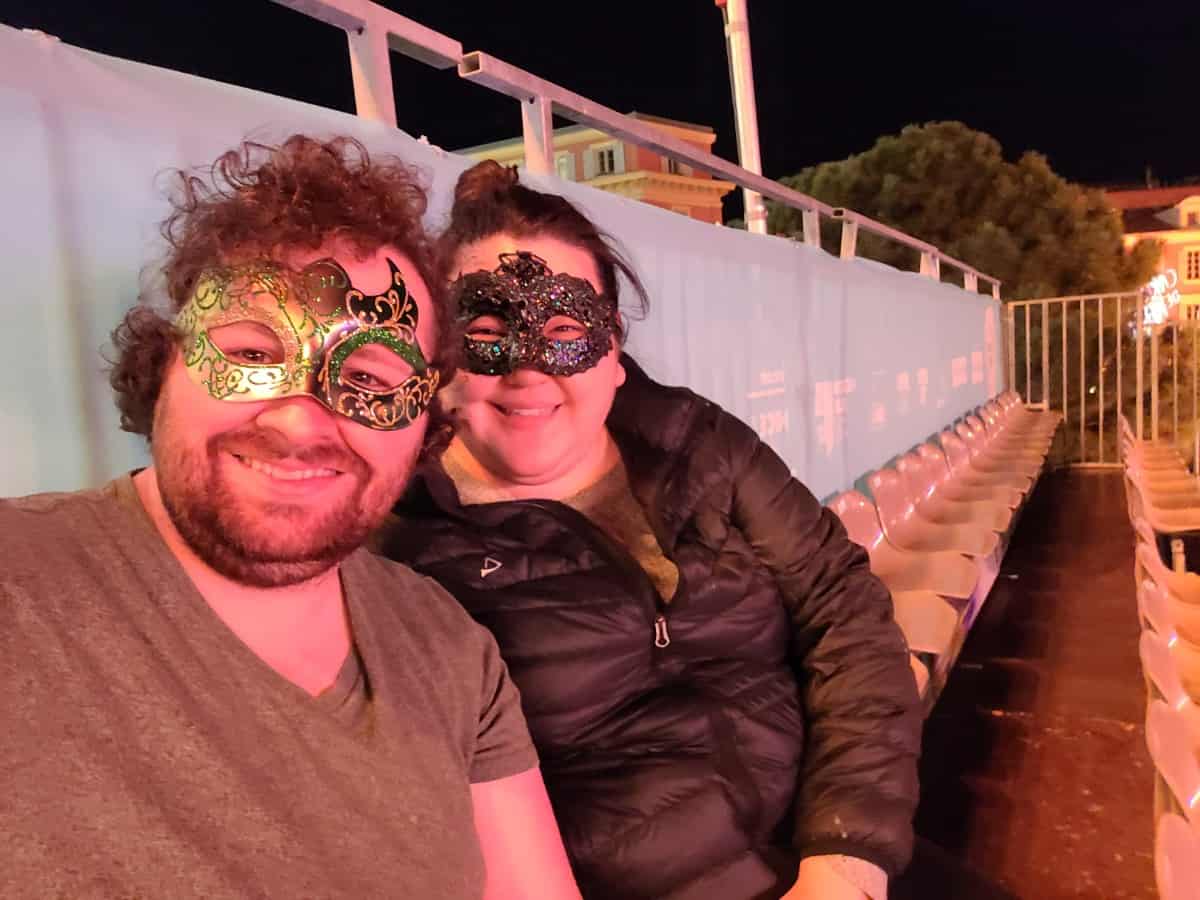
{"x": 489, "y": 199}
{"x": 484, "y": 181}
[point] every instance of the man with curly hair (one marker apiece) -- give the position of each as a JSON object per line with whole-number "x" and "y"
{"x": 213, "y": 688}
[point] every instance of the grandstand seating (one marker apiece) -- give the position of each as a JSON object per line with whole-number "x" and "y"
{"x": 907, "y": 528}
{"x": 995, "y": 422}
{"x": 1033, "y": 447}
{"x": 975, "y": 469}
{"x": 1177, "y": 859}
{"x": 1027, "y": 419}
{"x": 999, "y": 454}
{"x": 1173, "y": 749}
{"x": 1159, "y": 666}
{"x": 1164, "y": 505}
{"x": 940, "y": 522}
{"x": 946, "y": 573}
{"x": 963, "y": 487}
{"x": 935, "y": 504}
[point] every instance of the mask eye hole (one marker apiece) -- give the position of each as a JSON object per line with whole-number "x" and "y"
{"x": 248, "y": 344}
{"x": 487, "y": 329}
{"x": 564, "y": 328}
{"x": 374, "y": 368}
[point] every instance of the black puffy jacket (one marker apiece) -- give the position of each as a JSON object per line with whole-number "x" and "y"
{"x": 770, "y": 702}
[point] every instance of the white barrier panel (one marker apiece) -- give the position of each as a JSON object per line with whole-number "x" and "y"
{"x": 840, "y": 365}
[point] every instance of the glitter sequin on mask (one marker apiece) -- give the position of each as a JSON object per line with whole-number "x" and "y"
{"x": 524, "y": 295}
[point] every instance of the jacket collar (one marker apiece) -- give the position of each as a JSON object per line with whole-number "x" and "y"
{"x": 655, "y": 428}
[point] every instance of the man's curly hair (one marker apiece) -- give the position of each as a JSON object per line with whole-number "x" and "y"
{"x": 260, "y": 201}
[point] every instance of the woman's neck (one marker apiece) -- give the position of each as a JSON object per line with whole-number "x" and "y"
{"x": 477, "y": 484}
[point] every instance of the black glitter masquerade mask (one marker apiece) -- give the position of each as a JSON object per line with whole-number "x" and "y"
{"x": 524, "y": 296}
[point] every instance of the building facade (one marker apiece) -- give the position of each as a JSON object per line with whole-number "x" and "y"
{"x": 1171, "y": 217}
{"x": 584, "y": 154}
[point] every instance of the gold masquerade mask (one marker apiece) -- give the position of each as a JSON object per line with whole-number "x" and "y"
{"x": 257, "y": 332}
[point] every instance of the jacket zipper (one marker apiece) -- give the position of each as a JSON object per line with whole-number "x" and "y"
{"x": 662, "y": 635}
{"x": 624, "y": 561}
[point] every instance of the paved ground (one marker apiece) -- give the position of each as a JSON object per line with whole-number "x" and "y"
{"x": 1035, "y": 774}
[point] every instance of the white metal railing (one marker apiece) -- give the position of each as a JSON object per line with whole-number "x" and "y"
{"x": 1095, "y": 358}
{"x": 372, "y": 31}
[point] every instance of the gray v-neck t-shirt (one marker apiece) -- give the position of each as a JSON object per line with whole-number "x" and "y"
{"x": 146, "y": 752}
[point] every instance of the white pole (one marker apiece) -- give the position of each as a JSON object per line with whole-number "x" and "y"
{"x": 538, "y": 129}
{"x": 371, "y": 71}
{"x": 741, "y": 77}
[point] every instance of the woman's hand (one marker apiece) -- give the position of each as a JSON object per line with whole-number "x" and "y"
{"x": 819, "y": 880}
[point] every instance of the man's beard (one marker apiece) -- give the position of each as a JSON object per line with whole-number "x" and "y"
{"x": 268, "y": 544}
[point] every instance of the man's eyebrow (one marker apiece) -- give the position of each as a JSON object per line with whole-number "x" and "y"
{"x": 373, "y": 349}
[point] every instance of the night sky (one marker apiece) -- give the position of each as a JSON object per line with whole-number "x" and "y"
{"x": 1102, "y": 89}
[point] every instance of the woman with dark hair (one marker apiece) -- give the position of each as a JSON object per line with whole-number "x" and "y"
{"x": 719, "y": 695}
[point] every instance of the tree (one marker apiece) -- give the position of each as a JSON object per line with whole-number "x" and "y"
{"x": 1040, "y": 234}
{"x": 949, "y": 185}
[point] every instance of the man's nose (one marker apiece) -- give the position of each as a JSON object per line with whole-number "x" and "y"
{"x": 301, "y": 420}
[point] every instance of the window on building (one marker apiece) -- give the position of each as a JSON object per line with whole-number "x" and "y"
{"x": 564, "y": 165}
{"x": 606, "y": 161}
{"x": 1193, "y": 220}
{"x": 673, "y": 166}
{"x": 1191, "y": 266}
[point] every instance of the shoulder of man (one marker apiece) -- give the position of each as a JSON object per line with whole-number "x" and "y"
{"x": 420, "y": 601}
{"x": 54, "y": 502}
{"x": 410, "y": 621}
{"x": 40, "y": 522}
{"x": 67, "y": 555}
